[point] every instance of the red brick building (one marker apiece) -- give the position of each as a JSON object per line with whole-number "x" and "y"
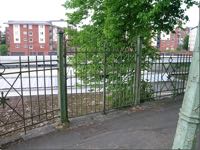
{"x": 173, "y": 41}
{"x": 31, "y": 37}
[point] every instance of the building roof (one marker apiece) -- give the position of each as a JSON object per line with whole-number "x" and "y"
{"x": 29, "y": 22}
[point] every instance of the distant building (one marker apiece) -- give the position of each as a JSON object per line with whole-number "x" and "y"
{"x": 192, "y": 38}
{"x": 31, "y": 37}
{"x": 172, "y": 41}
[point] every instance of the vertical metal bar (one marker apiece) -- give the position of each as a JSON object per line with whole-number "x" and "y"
{"x": 45, "y": 89}
{"x": 65, "y": 73}
{"x": 37, "y": 84}
{"x": 157, "y": 67}
{"x": 95, "y": 88}
{"x": 104, "y": 82}
{"x": 178, "y": 80}
{"x": 120, "y": 79}
{"x": 51, "y": 74}
{"x": 71, "y": 87}
{"x": 61, "y": 80}
{"x": 81, "y": 104}
{"x": 76, "y": 82}
{"x": 163, "y": 71}
{"x": 99, "y": 88}
{"x": 22, "y": 97}
{"x": 175, "y": 70}
{"x": 86, "y": 86}
{"x": 184, "y": 70}
{"x": 138, "y": 71}
{"x": 113, "y": 80}
{"x": 151, "y": 78}
{"x": 30, "y": 94}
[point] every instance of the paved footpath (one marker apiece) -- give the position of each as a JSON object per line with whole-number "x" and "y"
{"x": 151, "y": 126}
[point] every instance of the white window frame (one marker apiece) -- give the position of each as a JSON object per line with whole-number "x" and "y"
{"x": 30, "y": 26}
{"x": 25, "y": 32}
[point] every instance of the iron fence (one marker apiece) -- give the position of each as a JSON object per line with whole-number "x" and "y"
{"x": 95, "y": 82}
{"x": 102, "y": 81}
{"x": 28, "y": 87}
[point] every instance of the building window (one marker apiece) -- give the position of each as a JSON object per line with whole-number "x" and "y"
{"x": 25, "y": 33}
{"x": 30, "y": 46}
{"x": 41, "y": 26}
{"x": 24, "y": 26}
{"x": 41, "y": 39}
{"x": 16, "y": 26}
{"x": 30, "y": 26}
{"x": 25, "y": 39}
{"x": 42, "y": 33}
{"x": 30, "y": 33}
{"x": 30, "y": 40}
{"x": 17, "y": 39}
{"x": 17, "y": 46}
{"x": 41, "y": 46}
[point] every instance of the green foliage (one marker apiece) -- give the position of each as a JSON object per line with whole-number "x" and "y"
{"x": 3, "y": 50}
{"x": 179, "y": 48}
{"x": 186, "y": 42}
{"x": 147, "y": 91}
{"x": 112, "y": 32}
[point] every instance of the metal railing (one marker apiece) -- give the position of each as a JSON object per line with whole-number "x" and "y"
{"x": 95, "y": 82}
{"x": 28, "y": 89}
{"x": 102, "y": 81}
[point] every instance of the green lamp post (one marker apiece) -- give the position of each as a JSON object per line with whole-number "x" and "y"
{"x": 189, "y": 116}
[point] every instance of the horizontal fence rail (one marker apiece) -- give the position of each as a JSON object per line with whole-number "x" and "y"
{"x": 95, "y": 82}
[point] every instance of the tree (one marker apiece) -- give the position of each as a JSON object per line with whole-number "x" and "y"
{"x": 186, "y": 43}
{"x": 113, "y": 28}
{"x": 3, "y": 49}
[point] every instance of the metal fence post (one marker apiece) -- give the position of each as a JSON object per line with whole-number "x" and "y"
{"x": 62, "y": 90}
{"x": 104, "y": 82}
{"x": 137, "y": 83}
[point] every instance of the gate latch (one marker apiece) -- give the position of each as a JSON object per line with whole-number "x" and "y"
{"x": 3, "y": 100}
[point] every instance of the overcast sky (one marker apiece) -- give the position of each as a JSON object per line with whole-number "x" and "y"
{"x": 50, "y": 10}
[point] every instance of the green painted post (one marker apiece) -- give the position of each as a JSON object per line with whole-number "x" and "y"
{"x": 189, "y": 116}
{"x": 138, "y": 71}
{"x": 62, "y": 90}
